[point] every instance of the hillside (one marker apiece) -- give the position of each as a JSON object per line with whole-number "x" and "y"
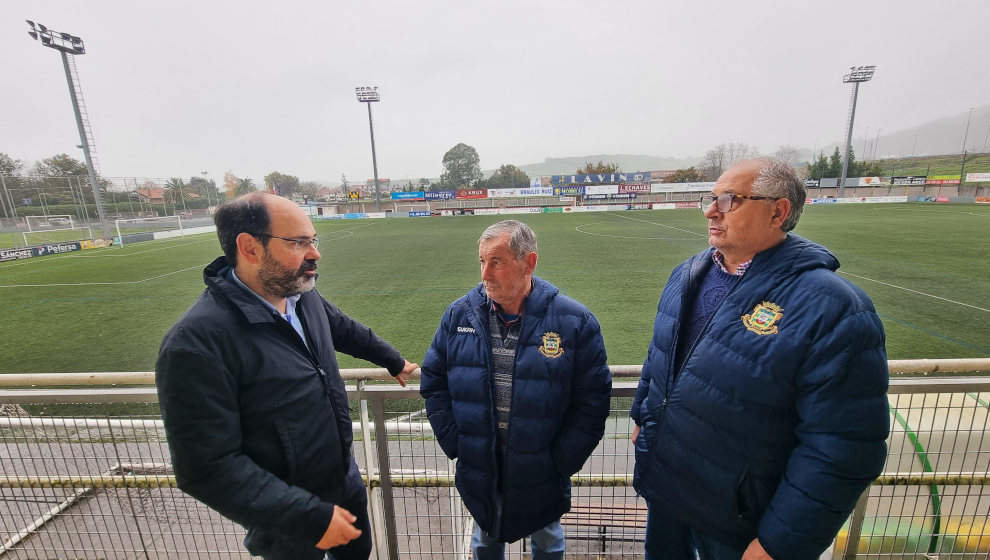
{"x": 626, "y": 162}
{"x": 935, "y": 165}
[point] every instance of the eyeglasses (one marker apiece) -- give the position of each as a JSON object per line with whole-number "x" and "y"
{"x": 727, "y": 201}
{"x": 298, "y": 243}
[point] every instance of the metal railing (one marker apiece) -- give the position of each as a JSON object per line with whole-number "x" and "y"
{"x": 94, "y": 480}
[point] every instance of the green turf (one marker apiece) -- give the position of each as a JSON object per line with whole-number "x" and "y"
{"x": 107, "y": 309}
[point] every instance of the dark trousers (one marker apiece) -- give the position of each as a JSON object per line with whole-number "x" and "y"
{"x": 355, "y": 501}
{"x": 669, "y": 539}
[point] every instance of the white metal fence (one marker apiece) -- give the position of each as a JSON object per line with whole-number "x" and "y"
{"x": 85, "y": 474}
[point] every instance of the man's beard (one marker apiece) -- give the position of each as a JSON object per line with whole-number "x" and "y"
{"x": 279, "y": 281}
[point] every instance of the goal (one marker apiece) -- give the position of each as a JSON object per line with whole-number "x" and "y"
{"x": 412, "y": 207}
{"x": 54, "y": 228}
{"x": 136, "y": 230}
{"x": 49, "y": 222}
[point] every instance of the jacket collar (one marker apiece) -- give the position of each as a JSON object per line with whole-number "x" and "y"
{"x": 793, "y": 255}
{"x": 217, "y": 282}
{"x": 536, "y": 303}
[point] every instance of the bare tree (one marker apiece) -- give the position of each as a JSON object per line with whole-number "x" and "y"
{"x": 721, "y": 157}
{"x": 788, "y": 154}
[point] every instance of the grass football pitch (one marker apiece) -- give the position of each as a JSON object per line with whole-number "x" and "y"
{"x": 924, "y": 266}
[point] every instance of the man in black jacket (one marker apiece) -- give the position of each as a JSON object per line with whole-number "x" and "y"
{"x": 254, "y": 407}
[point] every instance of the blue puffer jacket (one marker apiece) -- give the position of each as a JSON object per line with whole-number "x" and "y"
{"x": 560, "y": 400}
{"x": 776, "y": 422}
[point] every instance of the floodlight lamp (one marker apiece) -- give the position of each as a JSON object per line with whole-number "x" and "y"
{"x": 42, "y": 28}
{"x": 367, "y": 94}
{"x": 33, "y": 34}
{"x": 31, "y": 23}
{"x": 859, "y": 74}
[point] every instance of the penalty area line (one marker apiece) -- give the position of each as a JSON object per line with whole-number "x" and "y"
{"x": 915, "y": 291}
{"x": 121, "y": 283}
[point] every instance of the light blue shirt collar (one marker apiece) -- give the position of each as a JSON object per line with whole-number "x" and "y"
{"x": 290, "y": 306}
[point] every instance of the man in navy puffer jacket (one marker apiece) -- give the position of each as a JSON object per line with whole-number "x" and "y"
{"x": 517, "y": 390}
{"x": 761, "y": 412}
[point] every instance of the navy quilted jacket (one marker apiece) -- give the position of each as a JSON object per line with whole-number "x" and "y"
{"x": 776, "y": 422}
{"x": 560, "y": 400}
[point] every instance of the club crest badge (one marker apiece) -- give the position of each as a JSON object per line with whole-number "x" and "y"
{"x": 764, "y": 318}
{"x": 551, "y": 347}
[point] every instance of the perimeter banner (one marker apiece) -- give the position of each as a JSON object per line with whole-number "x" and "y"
{"x": 440, "y": 195}
{"x": 909, "y": 180}
{"x": 598, "y": 178}
{"x": 574, "y": 190}
{"x": 415, "y": 195}
{"x": 634, "y": 188}
{"x": 39, "y": 250}
{"x": 14, "y": 254}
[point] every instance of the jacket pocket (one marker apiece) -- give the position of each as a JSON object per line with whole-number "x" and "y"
{"x": 752, "y": 496}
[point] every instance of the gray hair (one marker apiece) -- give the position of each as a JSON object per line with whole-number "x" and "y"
{"x": 522, "y": 240}
{"x": 779, "y": 180}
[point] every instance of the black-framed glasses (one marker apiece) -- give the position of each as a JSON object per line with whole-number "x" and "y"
{"x": 298, "y": 243}
{"x": 726, "y": 202}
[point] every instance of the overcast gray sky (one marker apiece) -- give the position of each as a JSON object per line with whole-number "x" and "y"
{"x": 175, "y": 88}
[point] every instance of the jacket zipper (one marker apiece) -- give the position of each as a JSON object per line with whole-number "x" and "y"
{"x": 301, "y": 344}
{"x": 671, "y": 382}
{"x": 508, "y": 432}
{"x": 487, "y": 343}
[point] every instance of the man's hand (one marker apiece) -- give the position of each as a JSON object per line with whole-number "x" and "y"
{"x": 635, "y": 433}
{"x": 403, "y": 375}
{"x": 755, "y": 551}
{"x": 341, "y": 529}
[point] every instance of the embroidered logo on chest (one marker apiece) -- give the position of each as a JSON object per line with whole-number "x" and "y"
{"x": 764, "y": 318}
{"x": 469, "y": 330}
{"x": 551, "y": 347}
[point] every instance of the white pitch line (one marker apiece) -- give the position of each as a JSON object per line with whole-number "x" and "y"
{"x": 661, "y": 225}
{"x": 101, "y": 250}
{"x": 578, "y": 229}
{"x": 938, "y": 211}
{"x": 123, "y": 282}
{"x": 108, "y": 249}
{"x": 915, "y": 291}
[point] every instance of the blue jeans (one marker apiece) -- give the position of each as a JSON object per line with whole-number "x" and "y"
{"x": 547, "y": 544}
{"x": 669, "y": 539}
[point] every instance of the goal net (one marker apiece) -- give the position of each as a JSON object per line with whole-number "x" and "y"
{"x": 49, "y": 222}
{"x": 55, "y": 228}
{"x": 413, "y": 207}
{"x": 136, "y": 230}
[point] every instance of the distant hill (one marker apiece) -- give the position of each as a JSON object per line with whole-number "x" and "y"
{"x": 626, "y": 162}
{"x": 940, "y": 136}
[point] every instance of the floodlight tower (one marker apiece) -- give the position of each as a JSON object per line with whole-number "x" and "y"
{"x": 69, "y": 45}
{"x": 856, "y": 75}
{"x": 370, "y": 95}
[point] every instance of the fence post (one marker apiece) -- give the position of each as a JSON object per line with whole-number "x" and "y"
{"x": 856, "y": 526}
{"x": 375, "y": 512}
{"x": 384, "y": 473}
